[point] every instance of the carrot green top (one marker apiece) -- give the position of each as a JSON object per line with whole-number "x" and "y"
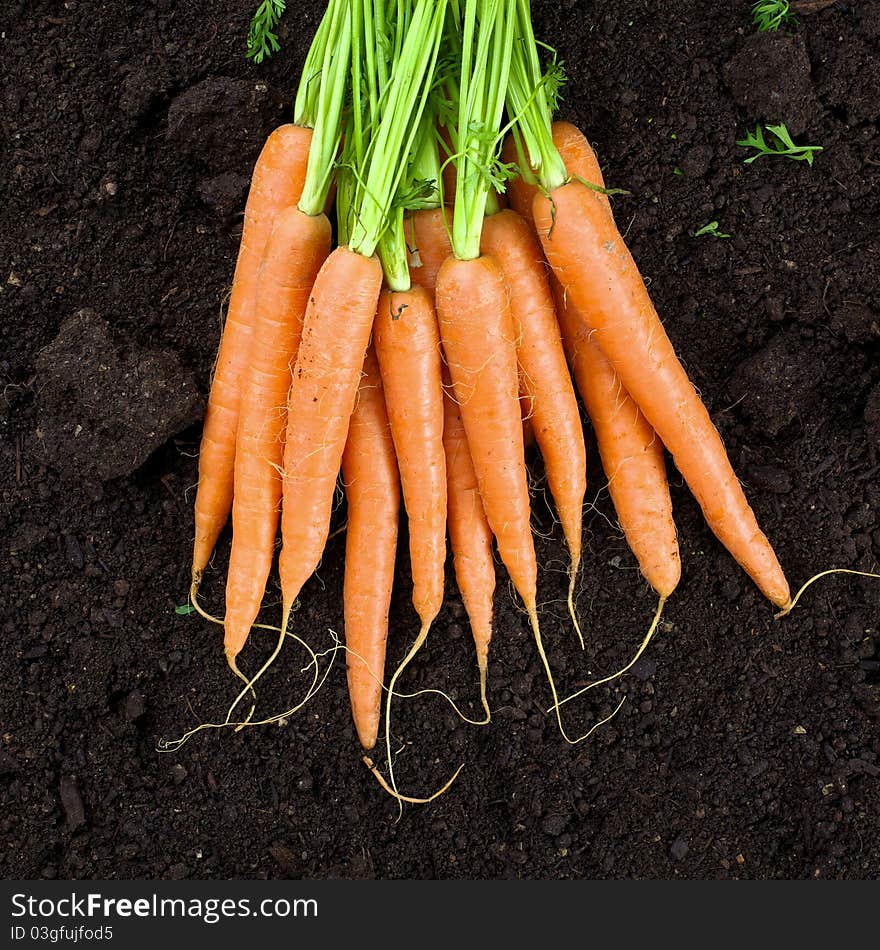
{"x": 378, "y": 155}
{"x": 486, "y": 41}
{"x": 531, "y": 100}
{"x": 320, "y": 101}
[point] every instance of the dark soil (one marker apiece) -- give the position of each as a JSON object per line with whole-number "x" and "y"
{"x": 748, "y": 747}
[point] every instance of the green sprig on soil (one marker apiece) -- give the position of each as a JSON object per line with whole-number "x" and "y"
{"x": 262, "y": 41}
{"x": 713, "y": 229}
{"x": 769, "y": 15}
{"x": 779, "y": 142}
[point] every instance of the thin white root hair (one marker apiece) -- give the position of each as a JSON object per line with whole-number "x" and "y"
{"x": 789, "y": 607}
{"x": 615, "y": 676}
{"x": 533, "y": 618}
{"x": 407, "y": 798}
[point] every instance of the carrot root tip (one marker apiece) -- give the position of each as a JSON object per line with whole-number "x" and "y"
{"x": 408, "y": 799}
{"x": 617, "y": 675}
{"x": 787, "y": 609}
{"x": 484, "y": 677}
{"x": 572, "y": 609}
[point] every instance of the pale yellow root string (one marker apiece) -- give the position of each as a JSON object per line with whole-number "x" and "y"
{"x": 414, "y": 649}
{"x": 424, "y": 692}
{"x": 406, "y": 798}
{"x": 231, "y": 659}
{"x": 194, "y": 599}
{"x": 341, "y": 646}
{"x": 314, "y": 688}
{"x": 614, "y": 676}
{"x": 572, "y": 581}
{"x": 484, "y": 676}
{"x": 427, "y": 691}
{"x": 533, "y": 619}
{"x": 834, "y": 570}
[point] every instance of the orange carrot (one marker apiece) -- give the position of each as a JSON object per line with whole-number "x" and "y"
{"x": 576, "y": 153}
{"x": 296, "y": 249}
{"x": 631, "y": 452}
{"x": 428, "y": 244}
{"x": 336, "y": 332}
{"x": 372, "y": 487}
{"x": 470, "y": 536}
{"x": 277, "y": 183}
{"x": 407, "y": 341}
{"x": 544, "y": 378}
{"x": 632, "y": 455}
{"x": 479, "y": 340}
{"x": 598, "y": 273}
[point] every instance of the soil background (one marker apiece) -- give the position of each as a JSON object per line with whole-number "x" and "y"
{"x": 747, "y": 747}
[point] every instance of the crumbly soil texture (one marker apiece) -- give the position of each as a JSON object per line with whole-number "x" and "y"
{"x": 747, "y": 747}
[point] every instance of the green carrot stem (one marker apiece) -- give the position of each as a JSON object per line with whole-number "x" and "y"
{"x": 487, "y": 38}
{"x": 326, "y": 137}
{"x": 528, "y": 104}
{"x": 379, "y": 175}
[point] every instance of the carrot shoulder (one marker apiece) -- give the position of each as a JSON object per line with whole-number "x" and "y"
{"x": 597, "y": 271}
{"x": 372, "y": 488}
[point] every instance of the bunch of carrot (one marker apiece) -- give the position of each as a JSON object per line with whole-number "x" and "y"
{"x": 408, "y": 357}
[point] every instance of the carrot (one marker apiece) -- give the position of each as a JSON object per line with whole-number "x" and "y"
{"x": 479, "y": 340}
{"x": 473, "y": 303}
{"x": 277, "y": 182}
{"x": 372, "y": 488}
{"x": 632, "y": 455}
{"x": 336, "y": 331}
{"x": 428, "y": 242}
{"x": 407, "y": 342}
{"x": 297, "y": 248}
{"x": 544, "y": 378}
{"x": 469, "y": 532}
{"x": 294, "y": 167}
{"x": 476, "y": 324}
{"x": 631, "y": 452}
{"x": 470, "y": 537}
{"x": 340, "y": 313}
{"x": 597, "y": 272}
{"x": 576, "y": 153}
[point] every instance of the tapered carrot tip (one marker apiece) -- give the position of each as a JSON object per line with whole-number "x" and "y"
{"x": 665, "y": 576}
{"x": 232, "y": 660}
{"x": 779, "y": 593}
{"x": 368, "y": 733}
